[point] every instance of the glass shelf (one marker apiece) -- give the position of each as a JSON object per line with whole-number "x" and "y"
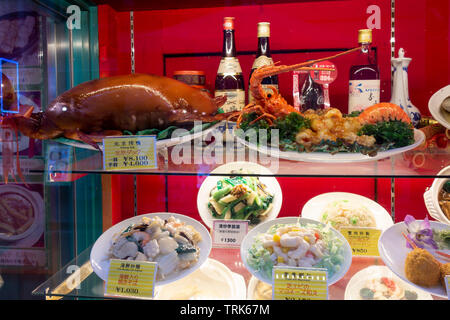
{"x": 87, "y": 285}
{"x": 412, "y": 164}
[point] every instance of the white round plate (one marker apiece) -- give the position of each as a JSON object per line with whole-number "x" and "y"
{"x": 359, "y": 279}
{"x": 203, "y": 284}
{"x": 393, "y": 252}
{"x": 324, "y": 157}
{"x": 251, "y": 290}
{"x": 314, "y": 208}
{"x": 434, "y": 105}
{"x": 160, "y": 144}
{"x": 34, "y": 232}
{"x": 263, "y": 227}
{"x": 211, "y": 181}
{"x": 100, "y": 251}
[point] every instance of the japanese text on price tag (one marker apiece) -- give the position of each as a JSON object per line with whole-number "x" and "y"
{"x": 363, "y": 241}
{"x": 298, "y": 283}
{"x": 123, "y": 153}
{"x": 131, "y": 278}
{"x": 229, "y": 233}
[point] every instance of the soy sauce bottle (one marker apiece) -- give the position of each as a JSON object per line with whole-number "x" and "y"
{"x": 263, "y": 58}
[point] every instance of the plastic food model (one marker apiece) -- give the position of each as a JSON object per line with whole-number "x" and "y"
{"x": 172, "y": 244}
{"x": 242, "y": 198}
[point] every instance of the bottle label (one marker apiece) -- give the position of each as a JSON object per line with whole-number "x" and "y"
{"x": 235, "y": 100}
{"x": 363, "y": 94}
{"x": 266, "y": 88}
{"x": 262, "y": 61}
{"x": 229, "y": 65}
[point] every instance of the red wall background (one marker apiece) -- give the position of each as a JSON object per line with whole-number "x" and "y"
{"x": 421, "y": 28}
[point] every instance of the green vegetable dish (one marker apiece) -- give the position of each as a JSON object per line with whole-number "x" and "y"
{"x": 240, "y": 198}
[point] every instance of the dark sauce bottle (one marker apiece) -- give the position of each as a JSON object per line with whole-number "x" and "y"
{"x": 263, "y": 58}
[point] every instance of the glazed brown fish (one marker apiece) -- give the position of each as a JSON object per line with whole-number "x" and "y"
{"x": 108, "y": 106}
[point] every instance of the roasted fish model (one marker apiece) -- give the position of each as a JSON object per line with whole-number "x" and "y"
{"x": 108, "y": 106}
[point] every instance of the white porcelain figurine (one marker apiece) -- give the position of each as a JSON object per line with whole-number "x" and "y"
{"x": 400, "y": 92}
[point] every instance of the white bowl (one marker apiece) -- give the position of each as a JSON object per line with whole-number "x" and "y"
{"x": 431, "y": 197}
{"x": 263, "y": 227}
{"x": 36, "y": 202}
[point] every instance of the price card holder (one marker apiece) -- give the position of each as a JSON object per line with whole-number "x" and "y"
{"x": 297, "y": 283}
{"x": 129, "y": 152}
{"x": 131, "y": 278}
{"x": 363, "y": 241}
{"x": 447, "y": 285}
{"x": 229, "y": 233}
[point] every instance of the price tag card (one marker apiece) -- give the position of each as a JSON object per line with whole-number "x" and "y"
{"x": 447, "y": 285}
{"x": 297, "y": 283}
{"x": 131, "y": 278}
{"x": 229, "y": 233}
{"x": 363, "y": 241}
{"x": 129, "y": 152}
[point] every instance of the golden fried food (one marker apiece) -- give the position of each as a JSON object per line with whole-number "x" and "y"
{"x": 445, "y": 271}
{"x": 422, "y": 268}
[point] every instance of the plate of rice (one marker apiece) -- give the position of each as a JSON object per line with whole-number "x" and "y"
{"x": 346, "y": 210}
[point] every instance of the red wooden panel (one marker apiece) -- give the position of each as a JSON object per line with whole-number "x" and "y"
{"x": 114, "y": 42}
{"x": 409, "y": 198}
{"x": 151, "y": 194}
{"x": 422, "y": 30}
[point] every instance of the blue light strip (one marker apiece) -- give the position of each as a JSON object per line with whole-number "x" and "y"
{"x": 17, "y": 86}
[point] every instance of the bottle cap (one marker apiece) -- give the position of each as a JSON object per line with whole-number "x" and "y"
{"x": 365, "y": 36}
{"x": 263, "y": 29}
{"x": 228, "y": 23}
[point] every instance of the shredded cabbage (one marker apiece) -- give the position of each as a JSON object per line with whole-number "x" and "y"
{"x": 259, "y": 259}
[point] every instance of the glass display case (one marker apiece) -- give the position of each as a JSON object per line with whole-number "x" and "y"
{"x": 68, "y": 186}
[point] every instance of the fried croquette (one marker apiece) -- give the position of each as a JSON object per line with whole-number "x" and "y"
{"x": 422, "y": 268}
{"x": 445, "y": 271}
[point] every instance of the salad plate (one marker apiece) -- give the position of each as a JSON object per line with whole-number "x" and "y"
{"x": 260, "y": 265}
{"x": 314, "y": 208}
{"x": 100, "y": 254}
{"x": 160, "y": 143}
{"x": 381, "y": 283}
{"x": 435, "y": 106}
{"x": 393, "y": 252}
{"x": 324, "y": 157}
{"x": 211, "y": 182}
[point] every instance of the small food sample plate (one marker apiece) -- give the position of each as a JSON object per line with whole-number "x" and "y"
{"x": 393, "y": 251}
{"x": 371, "y": 278}
{"x": 255, "y": 169}
{"x": 315, "y": 207}
{"x": 100, "y": 254}
{"x": 250, "y": 238}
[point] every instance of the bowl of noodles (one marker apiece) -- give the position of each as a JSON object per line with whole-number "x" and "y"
{"x": 347, "y": 210}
